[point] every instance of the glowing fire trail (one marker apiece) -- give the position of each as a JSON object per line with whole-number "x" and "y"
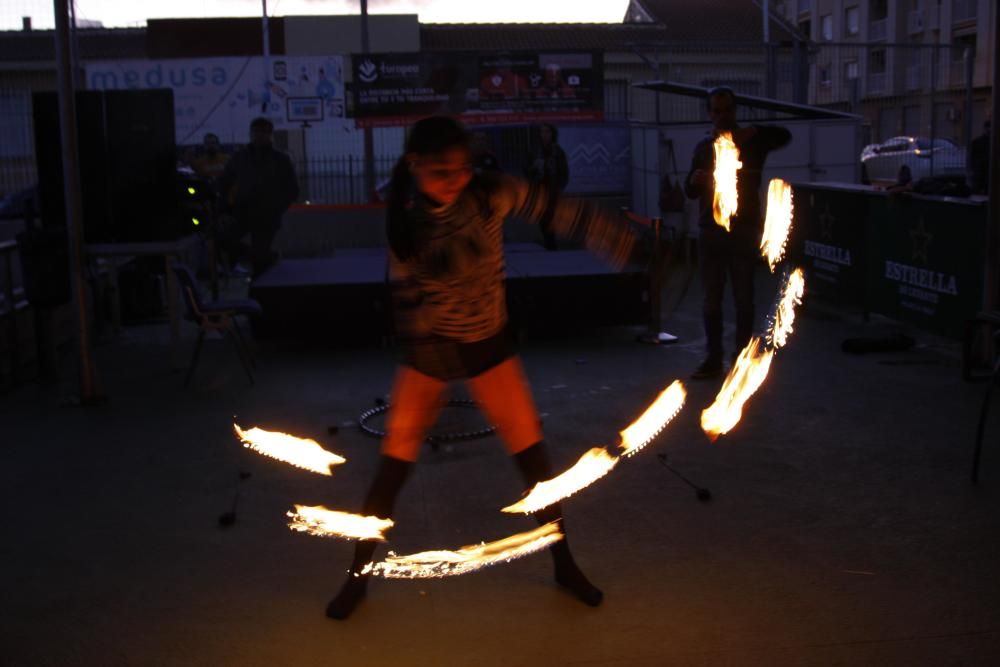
{"x": 744, "y": 379}
{"x": 778, "y": 222}
{"x": 597, "y": 462}
{"x": 784, "y": 313}
{"x": 594, "y": 464}
{"x": 429, "y": 564}
{"x": 300, "y": 452}
{"x": 323, "y": 522}
{"x": 656, "y": 417}
{"x": 751, "y": 367}
{"x": 725, "y": 201}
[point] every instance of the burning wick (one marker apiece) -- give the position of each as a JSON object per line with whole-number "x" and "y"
{"x": 431, "y": 564}
{"x": 656, "y": 417}
{"x": 725, "y": 201}
{"x": 323, "y": 522}
{"x": 300, "y": 452}
{"x": 746, "y": 376}
{"x": 784, "y": 314}
{"x": 778, "y": 222}
{"x": 593, "y": 465}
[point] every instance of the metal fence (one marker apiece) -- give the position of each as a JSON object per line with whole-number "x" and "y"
{"x": 931, "y": 91}
{"x": 339, "y": 179}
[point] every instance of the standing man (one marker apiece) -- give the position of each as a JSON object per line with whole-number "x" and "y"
{"x": 548, "y": 167}
{"x": 257, "y": 186}
{"x": 736, "y": 252}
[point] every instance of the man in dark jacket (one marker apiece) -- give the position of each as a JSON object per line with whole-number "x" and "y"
{"x": 548, "y": 166}
{"x": 258, "y": 185}
{"x": 737, "y": 251}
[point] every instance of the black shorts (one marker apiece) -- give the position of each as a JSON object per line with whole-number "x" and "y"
{"x": 448, "y": 359}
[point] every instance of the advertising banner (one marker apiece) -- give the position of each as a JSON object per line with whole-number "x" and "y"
{"x": 222, "y": 95}
{"x": 398, "y": 88}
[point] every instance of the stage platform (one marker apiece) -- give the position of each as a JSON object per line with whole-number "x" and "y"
{"x": 345, "y": 296}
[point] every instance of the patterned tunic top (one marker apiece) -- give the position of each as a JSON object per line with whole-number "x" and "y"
{"x": 453, "y": 286}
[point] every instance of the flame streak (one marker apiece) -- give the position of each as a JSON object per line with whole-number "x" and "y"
{"x": 784, "y": 314}
{"x": 593, "y": 465}
{"x": 725, "y": 201}
{"x": 746, "y": 376}
{"x": 778, "y": 222}
{"x": 300, "y": 452}
{"x": 430, "y": 564}
{"x": 323, "y": 522}
{"x": 656, "y": 417}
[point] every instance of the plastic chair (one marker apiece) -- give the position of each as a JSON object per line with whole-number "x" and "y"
{"x": 217, "y": 316}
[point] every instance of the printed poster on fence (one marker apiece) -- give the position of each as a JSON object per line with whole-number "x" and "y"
{"x": 222, "y": 95}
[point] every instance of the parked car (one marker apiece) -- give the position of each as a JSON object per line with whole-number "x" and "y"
{"x": 903, "y": 159}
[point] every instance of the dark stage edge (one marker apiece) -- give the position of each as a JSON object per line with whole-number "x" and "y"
{"x": 345, "y": 297}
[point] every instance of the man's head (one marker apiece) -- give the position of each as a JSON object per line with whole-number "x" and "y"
{"x": 211, "y": 143}
{"x": 722, "y": 108}
{"x": 261, "y": 132}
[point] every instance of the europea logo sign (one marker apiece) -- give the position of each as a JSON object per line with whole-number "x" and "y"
{"x": 158, "y": 76}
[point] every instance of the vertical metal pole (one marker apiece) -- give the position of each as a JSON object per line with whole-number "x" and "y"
{"x": 74, "y": 208}
{"x": 970, "y": 67}
{"x": 369, "y": 194}
{"x": 266, "y": 47}
{"x": 766, "y": 14}
{"x": 934, "y": 72}
{"x": 992, "y": 287}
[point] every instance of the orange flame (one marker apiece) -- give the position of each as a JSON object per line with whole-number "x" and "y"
{"x": 778, "y": 222}
{"x": 323, "y": 522}
{"x": 746, "y": 376}
{"x": 656, "y": 417}
{"x": 301, "y": 452}
{"x": 593, "y": 465}
{"x": 725, "y": 201}
{"x": 441, "y": 563}
{"x": 784, "y": 316}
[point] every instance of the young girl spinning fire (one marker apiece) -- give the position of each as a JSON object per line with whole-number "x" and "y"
{"x": 445, "y": 233}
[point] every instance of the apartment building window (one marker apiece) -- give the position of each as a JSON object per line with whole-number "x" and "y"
{"x": 960, "y": 44}
{"x": 876, "y": 61}
{"x": 852, "y": 20}
{"x": 826, "y": 27}
{"x": 824, "y": 76}
{"x": 879, "y": 10}
{"x": 851, "y": 69}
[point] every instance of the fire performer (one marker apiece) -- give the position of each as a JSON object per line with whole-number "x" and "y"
{"x": 734, "y": 252}
{"x": 445, "y": 232}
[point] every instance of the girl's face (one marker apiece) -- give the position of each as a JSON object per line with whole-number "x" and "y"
{"x": 442, "y": 176}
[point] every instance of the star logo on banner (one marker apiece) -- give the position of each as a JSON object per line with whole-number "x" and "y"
{"x": 826, "y": 221}
{"x": 921, "y": 239}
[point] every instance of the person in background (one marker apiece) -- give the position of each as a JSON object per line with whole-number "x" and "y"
{"x": 211, "y": 163}
{"x": 257, "y": 186}
{"x": 548, "y": 167}
{"x": 736, "y": 252}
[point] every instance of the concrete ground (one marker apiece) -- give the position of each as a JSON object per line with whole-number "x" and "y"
{"x": 843, "y": 529}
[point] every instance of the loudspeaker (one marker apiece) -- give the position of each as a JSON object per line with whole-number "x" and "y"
{"x": 128, "y": 158}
